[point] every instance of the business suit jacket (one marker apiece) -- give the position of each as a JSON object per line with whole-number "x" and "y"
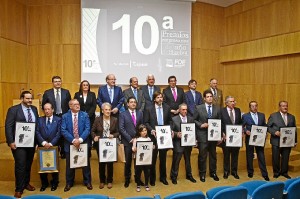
{"x": 97, "y": 129}
{"x": 49, "y": 97}
{"x": 148, "y": 100}
{"x": 201, "y": 117}
{"x": 89, "y": 106}
{"x": 248, "y": 121}
{"x": 15, "y": 114}
{"x": 225, "y": 118}
{"x": 169, "y": 99}
{"x": 67, "y": 128}
{"x": 176, "y": 127}
{"x": 50, "y": 135}
{"x": 140, "y": 101}
{"x": 276, "y": 122}
{"x": 126, "y": 126}
{"x": 191, "y": 103}
{"x": 218, "y": 100}
{"x": 103, "y": 96}
{"x": 150, "y": 119}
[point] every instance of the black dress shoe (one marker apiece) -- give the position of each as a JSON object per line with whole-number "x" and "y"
{"x": 250, "y": 175}
{"x": 89, "y": 186}
{"x": 266, "y": 178}
{"x": 215, "y": 177}
{"x": 235, "y": 175}
{"x": 202, "y": 178}
{"x": 67, "y": 188}
{"x": 286, "y": 176}
{"x": 225, "y": 176}
{"x": 126, "y": 184}
{"x": 164, "y": 181}
{"x": 63, "y": 156}
{"x": 174, "y": 181}
{"x": 276, "y": 175}
{"x": 43, "y": 188}
{"x": 53, "y": 187}
{"x": 191, "y": 179}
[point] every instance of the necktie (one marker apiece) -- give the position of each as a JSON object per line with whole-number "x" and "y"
{"x": 231, "y": 116}
{"x": 174, "y": 94}
{"x": 209, "y": 112}
{"x": 75, "y": 127}
{"x": 133, "y": 118}
{"x": 194, "y": 95}
{"x": 57, "y": 102}
{"x": 183, "y": 119}
{"x": 255, "y": 118}
{"x": 151, "y": 93}
{"x": 160, "y": 120}
{"x": 29, "y": 115}
{"x": 110, "y": 95}
{"x": 284, "y": 119}
{"x": 135, "y": 94}
{"x": 215, "y": 92}
{"x": 48, "y": 123}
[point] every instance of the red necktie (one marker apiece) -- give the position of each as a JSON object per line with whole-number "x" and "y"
{"x": 174, "y": 94}
{"x": 133, "y": 118}
{"x": 75, "y": 127}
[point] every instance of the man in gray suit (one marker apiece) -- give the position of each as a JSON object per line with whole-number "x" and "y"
{"x": 203, "y": 112}
{"x": 217, "y": 93}
{"x": 149, "y": 90}
{"x": 179, "y": 150}
{"x": 277, "y": 120}
{"x": 133, "y": 91}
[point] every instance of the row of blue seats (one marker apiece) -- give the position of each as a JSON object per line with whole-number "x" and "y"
{"x": 290, "y": 189}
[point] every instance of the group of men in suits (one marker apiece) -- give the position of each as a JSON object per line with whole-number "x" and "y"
{"x": 147, "y": 105}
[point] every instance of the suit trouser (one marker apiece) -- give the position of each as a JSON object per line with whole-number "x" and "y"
{"x": 138, "y": 173}
{"x": 102, "y": 168}
{"x": 233, "y": 153}
{"x": 260, "y": 156}
{"x": 284, "y": 152}
{"x": 128, "y": 158}
{"x": 176, "y": 161}
{"x": 23, "y": 160}
{"x": 70, "y": 172}
{"x": 162, "y": 164}
{"x": 44, "y": 179}
{"x": 204, "y": 148}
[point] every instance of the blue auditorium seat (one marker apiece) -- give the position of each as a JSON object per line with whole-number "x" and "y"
{"x": 232, "y": 193}
{"x": 156, "y": 196}
{"x": 288, "y": 182}
{"x": 210, "y": 193}
{"x": 269, "y": 190}
{"x": 90, "y": 196}
{"x": 6, "y": 197}
{"x": 187, "y": 195}
{"x": 293, "y": 191}
{"x": 41, "y": 196}
{"x": 252, "y": 185}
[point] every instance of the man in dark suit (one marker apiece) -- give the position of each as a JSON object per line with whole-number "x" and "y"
{"x": 230, "y": 115}
{"x": 149, "y": 90}
{"x": 75, "y": 128}
{"x": 133, "y": 91}
{"x": 173, "y": 95}
{"x": 201, "y": 115}
{"x": 277, "y": 120}
{"x": 158, "y": 114}
{"x": 192, "y": 97}
{"x": 23, "y": 156}
{"x": 254, "y": 118}
{"x": 112, "y": 94}
{"x": 48, "y": 134}
{"x": 179, "y": 150}
{"x": 128, "y": 123}
{"x": 217, "y": 93}
{"x": 59, "y": 98}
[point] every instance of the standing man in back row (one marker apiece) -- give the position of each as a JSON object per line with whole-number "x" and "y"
{"x": 59, "y": 98}
{"x": 217, "y": 93}
{"x": 149, "y": 90}
{"x": 133, "y": 91}
{"x": 193, "y": 98}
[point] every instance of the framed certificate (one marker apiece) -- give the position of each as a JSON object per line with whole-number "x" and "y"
{"x": 287, "y": 137}
{"x": 144, "y": 151}
{"x": 258, "y": 135}
{"x": 47, "y": 159}
{"x": 78, "y": 156}
{"x": 107, "y": 150}
{"x": 234, "y": 136}
{"x": 214, "y": 130}
{"x": 188, "y": 134}
{"x": 164, "y": 137}
{"x": 24, "y": 136}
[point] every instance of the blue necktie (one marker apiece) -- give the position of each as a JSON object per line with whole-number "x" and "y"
{"x": 110, "y": 95}
{"x": 151, "y": 93}
{"x": 209, "y": 112}
{"x": 255, "y": 118}
{"x": 135, "y": 94}
{"x": 29, "y": 115}
{"x": 48, "y": 123}
{"x": 160, "y": 117}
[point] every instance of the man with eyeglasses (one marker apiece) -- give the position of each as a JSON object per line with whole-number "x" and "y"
{"x": 149, "y": 90}
{"x": 134, "y": 91}
{"x": 112, "y": 94}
